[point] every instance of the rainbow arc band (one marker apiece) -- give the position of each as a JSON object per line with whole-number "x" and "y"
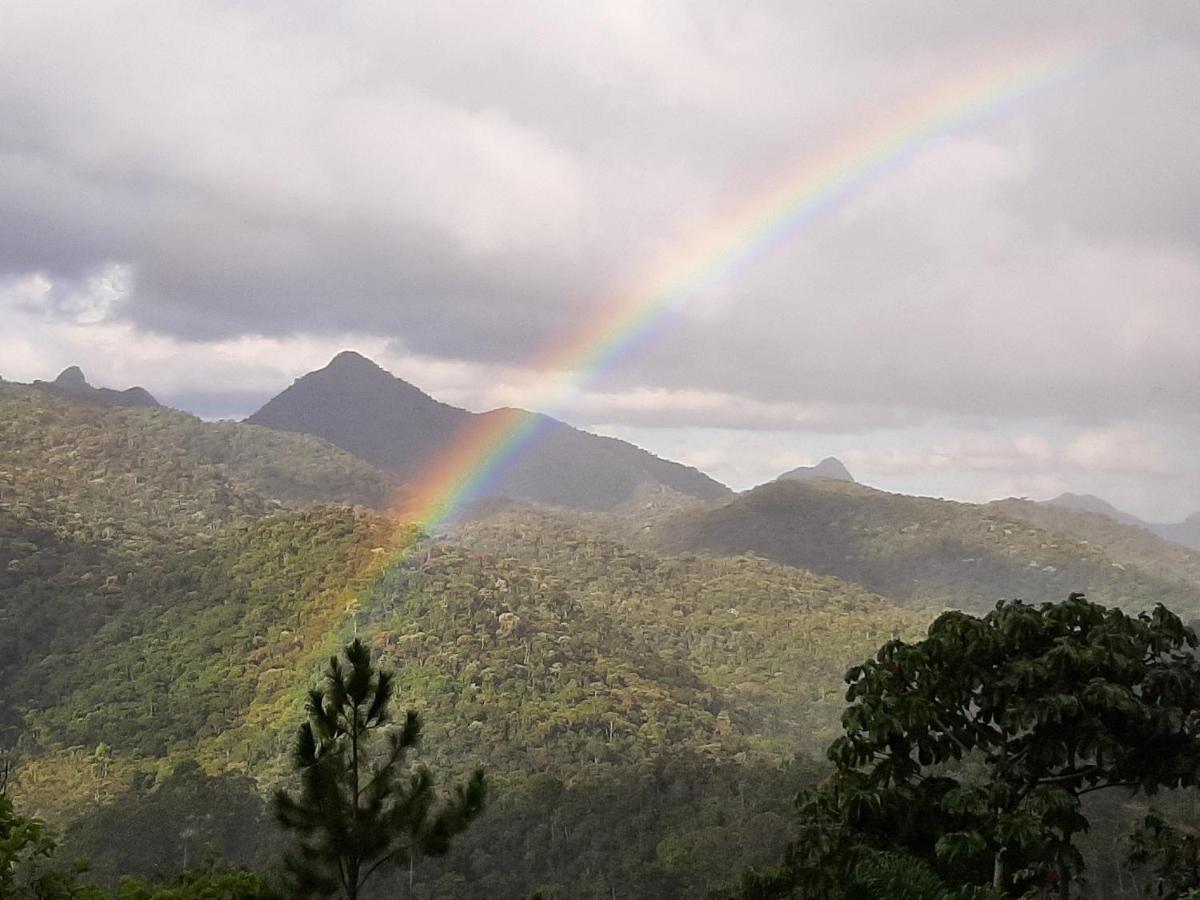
{"x": 482, "y": 451}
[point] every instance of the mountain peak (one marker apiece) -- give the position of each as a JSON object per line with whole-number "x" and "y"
{"x": 350, "y": 360}
{"x": 382, "y": 419}
{"x": 830, "y": 467}
{"x": 71, "y": 379}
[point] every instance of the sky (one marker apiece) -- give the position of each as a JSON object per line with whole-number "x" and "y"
{"x": 211, "y": 198}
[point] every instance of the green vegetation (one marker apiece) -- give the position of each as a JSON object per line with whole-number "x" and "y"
{"x": 171, "y": 589}
{"x": 105, "y": 512}
{"x": 971, "y": 751}
{"x": 30, "y": 870}
{"x": 354, "y": 813}
{"x": 1125, "y": 544}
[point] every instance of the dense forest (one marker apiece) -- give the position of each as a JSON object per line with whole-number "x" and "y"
{"x": 648, "y": 689}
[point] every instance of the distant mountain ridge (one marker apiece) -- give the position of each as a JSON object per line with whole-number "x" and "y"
{"x": 922, "y": 550}
{"x": 1186, "y": 532}
{"x": 1125, "y": 543}
{"x": 71, "y": 380}
{"x": 357, "y": 405}
{"x": 830, "y": 467}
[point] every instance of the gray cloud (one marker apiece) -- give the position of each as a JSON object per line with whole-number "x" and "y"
{"x": 464, "y": 181}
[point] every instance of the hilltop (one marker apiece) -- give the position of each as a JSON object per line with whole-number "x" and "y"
{"x": 73, "y": 382}
{"x": 830, "y": 467}
{"x": 1123, "y": 539}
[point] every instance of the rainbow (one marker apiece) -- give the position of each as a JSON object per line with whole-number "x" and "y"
{"x": 484, "y": 448}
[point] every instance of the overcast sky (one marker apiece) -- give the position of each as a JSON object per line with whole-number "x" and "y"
{"x": 209, "y": 199}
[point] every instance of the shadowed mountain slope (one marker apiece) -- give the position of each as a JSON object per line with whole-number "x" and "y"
{"x": 916, "y": 548}
{"x": 388, "y": 422}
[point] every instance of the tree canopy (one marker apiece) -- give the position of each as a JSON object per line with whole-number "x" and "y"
{"x": 972, "y": 749}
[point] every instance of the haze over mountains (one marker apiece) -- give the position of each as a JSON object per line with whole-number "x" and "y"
{"x": 924, "y": 550}
{"x": 1186, "y": 532}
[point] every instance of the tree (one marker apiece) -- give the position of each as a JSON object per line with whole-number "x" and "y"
{"x": 356, "y": 813}
{"x": 971, "y": 750}
{"x": 26, "y": 850}
{"x": 210, "y": 883}
{"x": 1171, "y": 855}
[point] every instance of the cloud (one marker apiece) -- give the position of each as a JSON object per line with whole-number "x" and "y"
{"x": 461, "y": 189}
{"x": 1090, "y": 451}
{"x": 1115, "y": 451}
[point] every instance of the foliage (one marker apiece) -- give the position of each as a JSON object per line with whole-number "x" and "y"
{"x": 27, "y": 847}
{"x": 973, "y": 748}
{"x": 355, "y": 814}
{"x": 206, "y": 884}
{"x": 173, "y": 823}
{"x": 22, "y": 841}
{"x": 1170, "y": 853}
{"x": 552, "y": 650}
{"x": 900, "y": 877}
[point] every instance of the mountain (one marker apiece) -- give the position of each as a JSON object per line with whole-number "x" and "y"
{"x": 1127, "y": 544}
{"x": 93, "y": 497}
{"x": 169, "y": 589}
{"x": 916, "y": 549}
{"x": 1092, "y": 504}
{"x": 1186, "y": 533}
{"x": 72, "y": 381}
{"x": 382, "y": 419}
{"x": 829, "y": 467}
{"x": 162, "y": 612}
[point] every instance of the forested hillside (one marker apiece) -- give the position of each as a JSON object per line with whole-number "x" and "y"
{"x": 918, "y": 549}
{"x": 1185, "y": 533}
{"x": 102, "y": 509}
{"x": 165, "y": 603}
{"x": 171, "y": 587}
{"x": 1125, "y": 543}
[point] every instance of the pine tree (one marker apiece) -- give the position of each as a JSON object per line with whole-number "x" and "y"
{"x": 356, "y": 812}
